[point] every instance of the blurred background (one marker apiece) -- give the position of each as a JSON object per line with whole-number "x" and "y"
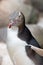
{"x": 33, "y": 11}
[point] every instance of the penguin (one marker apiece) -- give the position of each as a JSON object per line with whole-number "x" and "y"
{"x": 19, "y": 40}
{"x": 23, "y": 32}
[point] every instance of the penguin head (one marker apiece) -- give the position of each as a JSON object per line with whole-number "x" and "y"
{"x": 17, "y": 19}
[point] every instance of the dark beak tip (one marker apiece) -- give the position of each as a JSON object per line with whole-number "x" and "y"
{"x": 9, "y": 25}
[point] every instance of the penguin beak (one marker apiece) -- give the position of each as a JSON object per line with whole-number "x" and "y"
{"x": 12, "y": 23}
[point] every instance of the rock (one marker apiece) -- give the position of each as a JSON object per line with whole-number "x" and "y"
{"x": 38, "y": 4}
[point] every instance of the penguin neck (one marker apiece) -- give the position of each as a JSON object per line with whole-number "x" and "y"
{"x": 21, "y": 28}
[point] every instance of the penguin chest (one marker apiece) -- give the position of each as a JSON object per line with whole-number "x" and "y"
{"x": 16, "y": 48}
{"x": 13, "y": 42}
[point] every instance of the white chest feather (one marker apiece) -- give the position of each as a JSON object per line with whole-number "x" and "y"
{"x": 16, "y": 48}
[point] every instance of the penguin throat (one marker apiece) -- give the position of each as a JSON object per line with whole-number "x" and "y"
{"x": 21, "y": 28}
